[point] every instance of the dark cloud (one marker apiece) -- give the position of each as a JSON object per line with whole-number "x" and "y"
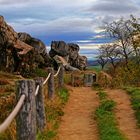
{"x": 114, "y": 7}
{"x": 9, "y": 2}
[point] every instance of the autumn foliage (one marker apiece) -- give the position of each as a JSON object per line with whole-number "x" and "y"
{"x": 122, "y": 56}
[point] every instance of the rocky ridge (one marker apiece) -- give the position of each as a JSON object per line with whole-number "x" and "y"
{"x": 22, "y": 53}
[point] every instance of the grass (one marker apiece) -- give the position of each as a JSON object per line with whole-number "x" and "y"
{"x": 54, "y": 112}
{"x": 64, "y": 95}
{"x": 102, "y": 95}
{"x": 106, "y": 121}
{"x": 40, "y": 73}
{"x": 96, "y": 68}
{"x": 53, "y": 108}
{"x": 67, "y": 78}
{"x": 135, "y": 101}
{"x": 7, "y": 102}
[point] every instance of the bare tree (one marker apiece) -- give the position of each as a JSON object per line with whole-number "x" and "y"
{"x": 122, "y": 31}
{"x": 136, "y": 36}
{"x": 111, "y": 53}
{"x": 101, "y": 59}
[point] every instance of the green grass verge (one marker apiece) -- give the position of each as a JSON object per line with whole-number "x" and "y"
{"x": 106, "y": 121}
{"x": 64, "y": 95}
{"x": 96, "y": 68}
{"x": 135, "y": 101}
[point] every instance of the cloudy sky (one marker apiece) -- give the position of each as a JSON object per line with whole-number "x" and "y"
{"x": 77, "y": 21}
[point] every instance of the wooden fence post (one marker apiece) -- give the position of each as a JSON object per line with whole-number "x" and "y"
{"x": 61, "y": 77}
{"x": 88, "y": 80}
{"x": 72, "y": 79}
{"x": 40, "y": 114}
{"x": 26, "y": 118}
{"x": 51, "y": 83}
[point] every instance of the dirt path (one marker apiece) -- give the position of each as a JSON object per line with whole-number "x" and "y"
{"x": 77, "y": 123}
{"x": 125, "y": 114}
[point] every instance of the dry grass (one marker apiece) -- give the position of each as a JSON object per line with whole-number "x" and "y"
{"x": 7, "y": 102}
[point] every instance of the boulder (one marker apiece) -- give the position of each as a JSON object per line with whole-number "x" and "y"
{"x": 60, "y": 60}
{"x": 80, "y": 62}
{"x": 12, "y": 50}
{"x": 59, "y": 48}
{"x": 70, "y": 53}
{"x": 73, "y": 51}
{"x": 42, "y": 56}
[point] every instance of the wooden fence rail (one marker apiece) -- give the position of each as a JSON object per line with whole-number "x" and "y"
{"x": 30, "y": 111}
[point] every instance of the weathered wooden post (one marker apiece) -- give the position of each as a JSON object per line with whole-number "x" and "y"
{"x": 94, "y": 77}
{"x": 40, "y": 109}
{"x": 61, "y": 77}
{"x": 26, "y": 118}
{"x": 88, "y": 80}
{"x": 51, "y": 84}
{"x": 72, "y": 79}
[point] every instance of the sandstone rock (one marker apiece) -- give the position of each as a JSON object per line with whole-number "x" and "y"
{"x": 80, "y": 62}
{"x": 20, "y": 52}
{"x": 73, "y": 51}
{"x": 67, "y": 66}
{"x": 70, "y": 53}
{"x": 59, "y": 48}
{"x": 15, "y": 55}
{"x": 42, "y": 56}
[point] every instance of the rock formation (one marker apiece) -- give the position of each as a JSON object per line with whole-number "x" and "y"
{"x": 18, "y": 56}
{"x": 22, "y": 53}
{"x": 42, "y": 56}
{"x": 60, "y": 60}
{"x": 69, "y": 52}
{"x": 12, "y": 50}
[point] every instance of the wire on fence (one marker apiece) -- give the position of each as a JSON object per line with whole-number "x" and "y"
{"x": 47, "y": 79}
{"x": 13, "y": 114}
{"x": 37, "y": 89}
{"x": 57, "y": 72}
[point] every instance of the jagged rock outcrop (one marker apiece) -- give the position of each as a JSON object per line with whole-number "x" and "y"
{"x": 59, "y": 48}
{"x": 39, "y": 46}
{"x": 22, "y": 53}
{"x": 12, "y": 50}
{"x": 67, "y": 66}
{"x": 80, "y": 62}
{"x": 73, "y": 51}
{"x": 75, "y": 59}
{"x": 69, "y": 52}
{"x": 16, "y": 55}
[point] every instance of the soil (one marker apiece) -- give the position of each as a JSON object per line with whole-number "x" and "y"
{"x": 78, "y": 123}
{"x": 125, "y": 114}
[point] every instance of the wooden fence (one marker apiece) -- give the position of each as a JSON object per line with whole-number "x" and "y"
{"x": 30, "y": 111}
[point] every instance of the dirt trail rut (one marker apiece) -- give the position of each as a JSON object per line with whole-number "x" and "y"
{"x": 125, "y": 114}
{"x": 77, "y": 123}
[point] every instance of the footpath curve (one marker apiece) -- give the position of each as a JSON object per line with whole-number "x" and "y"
{"x": 77, "y": 123}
